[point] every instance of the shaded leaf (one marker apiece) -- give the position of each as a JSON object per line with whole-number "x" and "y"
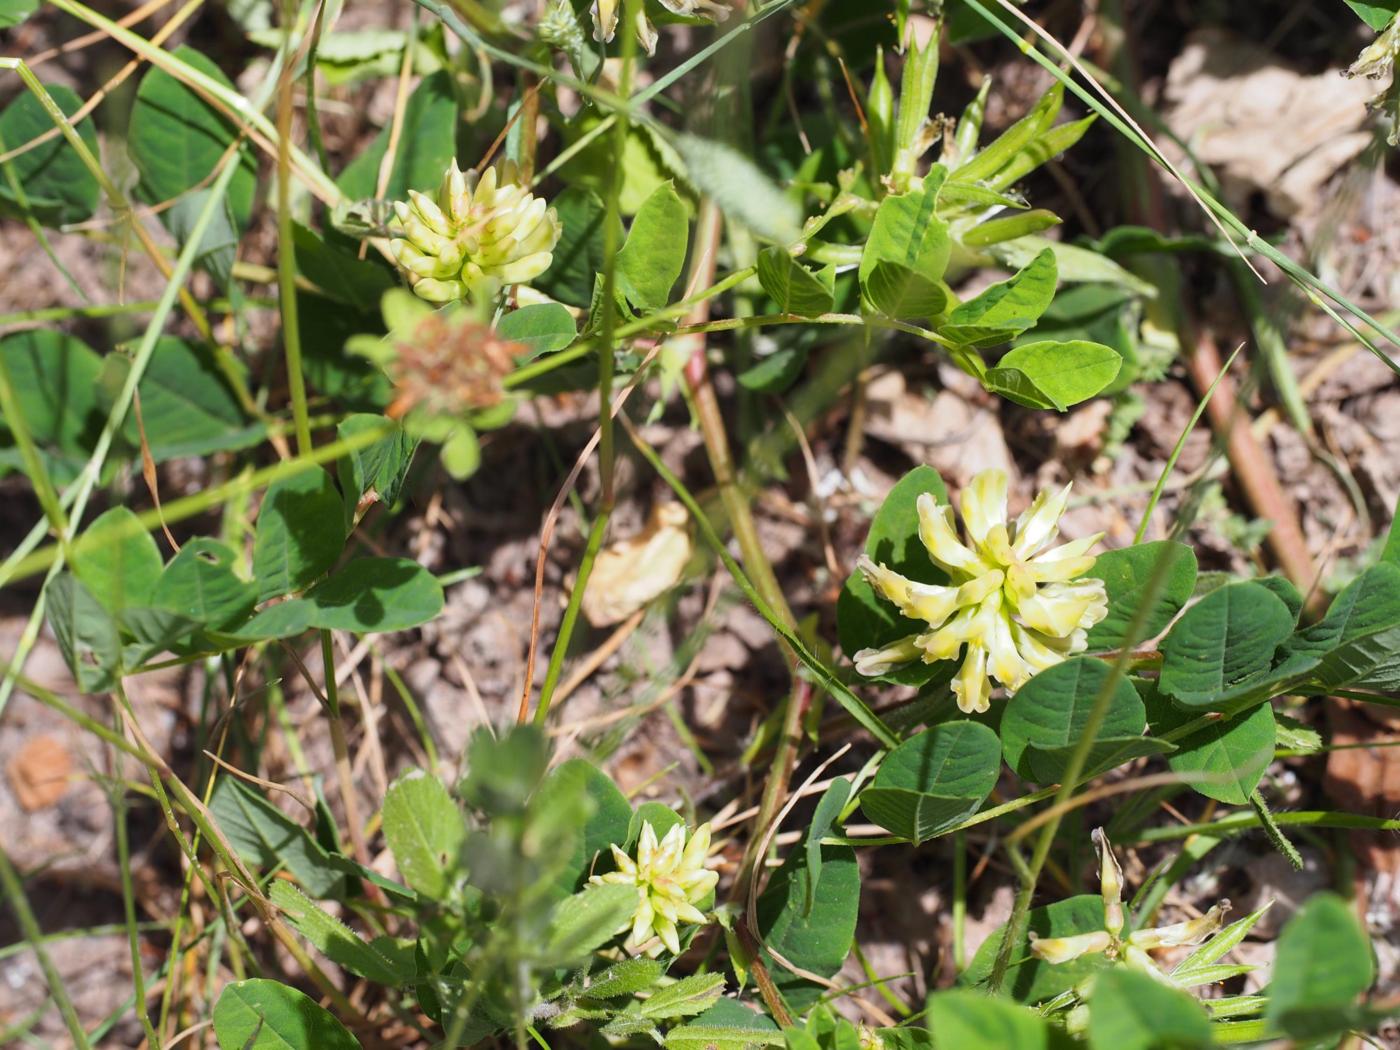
{"x": 934, "y": 780}
{"x": 1049, "y": 714}
{"x": 793, "y": 288}
{"x": 1006, "y": 309}
{"x": 653, "y": 255}
{"x": 266, "y": 837}
{"x": 1129, "y": 1010}
{"x": 57, "y": 186}
{"x": 375, "y": 594}
{"x": 117, "y": 560}
{"x": 300, "y": 532}
{"x": 427, "y": 144}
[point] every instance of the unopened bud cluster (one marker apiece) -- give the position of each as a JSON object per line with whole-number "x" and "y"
{"x": 477, "y": 230}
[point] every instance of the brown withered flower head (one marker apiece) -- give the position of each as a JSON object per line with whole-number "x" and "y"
{"x": 448, "y": 364}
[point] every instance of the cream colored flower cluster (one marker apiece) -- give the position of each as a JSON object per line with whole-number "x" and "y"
{"x": 478, "y": 229}
{"x": 671, "y": 879}
{"x": 1016, "y": 604}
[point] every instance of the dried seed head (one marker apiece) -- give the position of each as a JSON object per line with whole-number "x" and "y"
{"x": 448, "y": 364}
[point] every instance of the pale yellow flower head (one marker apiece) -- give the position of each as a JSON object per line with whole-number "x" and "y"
{"x": 671, "y": 879}
{"x": 477, "y": 230}
{"x": 1014, "y": 605}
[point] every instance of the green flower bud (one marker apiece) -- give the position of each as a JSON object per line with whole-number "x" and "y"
{"x": 477, "y": 232}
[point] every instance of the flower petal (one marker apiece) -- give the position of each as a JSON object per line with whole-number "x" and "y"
{"x": 1066, "y": 561}
{"x": 939, "y": 538}
{"x": 875, "y": 662}
{"x": 984, "y": 503}
{"x": 972, "y": 687}
{"x": 1039, "y": 523}
{"x": 1058, "y": 608}
{"x": 918, "y": 601}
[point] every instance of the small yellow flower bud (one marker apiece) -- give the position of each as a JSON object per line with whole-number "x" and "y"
{"x": 671, "y": 878}
{"x": 477, "y": 230}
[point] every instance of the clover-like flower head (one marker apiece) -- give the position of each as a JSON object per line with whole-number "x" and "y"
{"x": 671, "y": 879}
{"x": 478, "y": 230}
{"x": 1014, "y": 603}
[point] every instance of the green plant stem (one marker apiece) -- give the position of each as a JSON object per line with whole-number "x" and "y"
{"x": 584, "y": 347}
{"x": 1074, "y": 768}
{"x": 138, "y": 969}
{"x": 1237, "y": 822}
{"x": 570, "y": 619}
{"x": 286, "y": 248}
{"x": 34, "y": 936}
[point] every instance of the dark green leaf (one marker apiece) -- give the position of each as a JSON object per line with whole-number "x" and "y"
{"x": 934, "y": 780}
{"x": 828, "y": 811}
{"x": 1007, "y": 309}
{"x": 1050, "y": 711}
{"x": 55, "y": 380}
{"x": 265, "y": 836}
{"x": 259, "y": 1014}
{"x": 300, "y": 532}
{"x": 651, "y": 260}
{"x": 728, "y": 1025}
{"x": 1228, "y": 635}
{"x": 1226, "y": 760}
{"x": 818, "y": 939}
{"x": 607, "y": 823}
{"x": 187, "y": 406}
{"x": 427, "y": 144}
{"x": 177, "y": 139}
{"x": 57, "y": 186}
{"x": 337, "y": 271}
{"x": 863, "y": 618}
{"x": 1129, "y": 1010}
{"x": 1322, "y": 963}
{"x": 425, "y": 831}
{"x": 380, "y": 468}
{"x": 1126, "y": 574}
{"x": 1053, "y": 375}
{"x": 375, "y": 594}
{"x": 776, "y": 372}
{"x": 578, "y": 256}
{"x": 793, "y": 288}
{"x": 541, "y": 328}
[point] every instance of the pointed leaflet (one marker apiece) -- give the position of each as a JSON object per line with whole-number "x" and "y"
{"x": 934, "y": 780}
